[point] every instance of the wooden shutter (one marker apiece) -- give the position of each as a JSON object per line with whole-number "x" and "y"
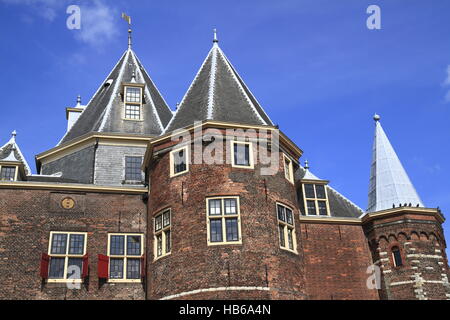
{"x": 143, "y": 267}
{"x": 103, "y": 263}
{"x": 45, "y": 260}
{"x": 85, "y": 271}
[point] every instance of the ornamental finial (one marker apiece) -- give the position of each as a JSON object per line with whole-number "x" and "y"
{"x": 128, "y": 19}
{"x": 78, "y": 100}
{"x": 376, "y": 117}
{"x": 306, "y": 165}
{"x": 215, "y": 36}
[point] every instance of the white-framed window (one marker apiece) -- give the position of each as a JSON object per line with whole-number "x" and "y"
{"x": 286, "y": 228}
{"x": 162, "y": 239}
{"x": 288, "y": 169}
{"x": 125, "y": 252}
{"x": 223, "y": 220}
{"x": 133, "y": 103}
{"x": 179, "y": 161}
{"x": 316, "y": 199}
{"x": 66, "y": 251}
{"x": 8, "y": 173}
{"x": 242, "y": 154}
{"x": 133, "y": 171}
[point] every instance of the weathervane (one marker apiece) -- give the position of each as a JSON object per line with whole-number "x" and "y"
{"x": 128, "y": 19}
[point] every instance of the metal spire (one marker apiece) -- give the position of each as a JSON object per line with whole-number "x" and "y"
{"x": 306, "y": 165}
{"x": 389, "y": 182}
{"x": 78, "y": 100}
{"x": 215, "y": 36}
{"x": 128, "y": 19}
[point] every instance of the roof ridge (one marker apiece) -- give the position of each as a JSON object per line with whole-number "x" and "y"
{"x": 187, "y": 92}
{"x": 241, "y": 84}
{"x": 95, "y": 94}
{"x": 233, "y": 73}
{"x": 212, "y": 81}
{"x": 133, "y": 56}
{"x": 116, "y": 87}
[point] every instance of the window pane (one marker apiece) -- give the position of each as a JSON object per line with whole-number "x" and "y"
{"x": 168, "y": 242}
{"x": 133, "y": 95}
{"x": 289, "y": 216}
{"x": 117, "y": 245}
{"x": 281, "y": 213}
{"x": 309, "y": 191}
{"x": 215, "y": 207}
{"x": 133, "y": 170}
{"x": 281, "y": 230}
{"x": 287, "y": 168}
{"x": 8, "y": 173}
{"x": 134, "y": 245}
{"x": 59, "y": 243}
{"x": 75, "y": 268}
{"x": 397, "y": 257}
{"x": 133, "y": 268}
{"x": 230, "y": 206}
{"x": 322, "y": 208}
{"x": 132, "y": 111}
{"x": 159, "y": 244}
{"x": 290, "y": 239}
{"x": 311, "y": 207}
{"x": 56, "y": 268}
{"x": 179, "y": 161}
{"x": 166, "y": 219}
{"x": 116, "y": 268}
{"x": 232, "y": 229}
{"x": 76, "y": 244}
{"x": 216, "y": 230}
{"x": 320, "y": 191}
{"x": 241, "y": 154}
{"x": 158, "y": 223}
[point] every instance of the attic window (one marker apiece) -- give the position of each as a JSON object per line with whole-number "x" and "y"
{"x": 315, "y": 200}
{"x": 7, "y": 173}
{"x": 242, "y": 154}
{"x": 133, "y": 103}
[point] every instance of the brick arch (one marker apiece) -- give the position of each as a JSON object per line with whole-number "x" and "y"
{"x": 414, "y": 235}
{"x": 392, "y": 238}
{"x": 402, "y": 236}
{"x": 423, "y": 236}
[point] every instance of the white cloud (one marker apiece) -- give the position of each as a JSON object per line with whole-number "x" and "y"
{"x": 98, "y": 23}
{"x": 447, "y": 84}
{"x": 98, "y": 18}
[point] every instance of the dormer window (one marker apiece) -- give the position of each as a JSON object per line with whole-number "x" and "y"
{"x": 288, "y": 169}
{"x": 316, "y": 200}
{"x": 133, "y": 103}
{"x": 7, "y": 173}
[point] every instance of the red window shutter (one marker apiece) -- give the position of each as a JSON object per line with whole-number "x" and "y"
{"x": 85, "y": 271}
{"x": 103, "y": 262}
{"x": 45, "y": 260}
{"x": 143, "y": 267}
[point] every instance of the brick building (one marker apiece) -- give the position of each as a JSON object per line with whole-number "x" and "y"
{"x": 209, "y": 201}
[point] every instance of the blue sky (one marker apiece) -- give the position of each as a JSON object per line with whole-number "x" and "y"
{"x": 313, "y": 65}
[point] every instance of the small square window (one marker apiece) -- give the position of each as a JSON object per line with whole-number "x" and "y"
{"x": 117, "y": 247}
{"x": 179, "y": 161}
{"x": 133, "y": 94}
{"x": 241, "y": 154}
{"x": 309, "y": 191}
{"x": 322, "y": 208}
{"x": 133, "y": 170}
{"x": 311, "y": 207}
{"x": 8, "y": 173}
{"x": 215, "y": 207}
{"x": 320, "y": 191}
{"x": 132, "y": 112}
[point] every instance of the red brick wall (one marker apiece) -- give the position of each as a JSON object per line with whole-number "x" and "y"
{"x": 28, "y": 216}
{"x": 194, "y": 265}
{"x": 336, "y": 261}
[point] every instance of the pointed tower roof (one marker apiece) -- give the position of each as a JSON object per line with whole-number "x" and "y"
{"x": 218, "y": 93}
{"x": 103, "y": 112}
{"x": 389, "y": 183}
{"x": 10, "y": 152}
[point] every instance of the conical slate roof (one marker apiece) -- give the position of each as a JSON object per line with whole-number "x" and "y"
{"x": 104, "y": 112}
{"x": 389, "y": 183}
{"x": 11, "y": 152}
{"x": 218, "y": 93}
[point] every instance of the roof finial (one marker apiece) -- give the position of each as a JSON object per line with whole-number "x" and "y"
{"x": 78, "y": 100}
{"x": 215, "y": 36}
{"x": 133, "y": 76}
{"x": 376, "y": 117}
{"x": 128, "y": 19}
{"x": 306, "y": 165}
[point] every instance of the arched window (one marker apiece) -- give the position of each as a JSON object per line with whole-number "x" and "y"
{"x": 396, "y": 257}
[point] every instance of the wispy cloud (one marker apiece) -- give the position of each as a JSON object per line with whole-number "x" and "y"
{"x": 447, "y": 84}
{"x": 99, "y": 18}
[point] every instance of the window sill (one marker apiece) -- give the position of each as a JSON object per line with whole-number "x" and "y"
{"x": 64, "y": 281}
{"x": 138, "y": 120}
{"x": 289, "y": 250}
{"x": 160, "y": 257}
{"x": 178, "y": 174}
{"x": 132, "y": 182}
{"x": 251, "y": 167}
{"x": 212, "y": 244}
{"x": 124, "y": 281}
